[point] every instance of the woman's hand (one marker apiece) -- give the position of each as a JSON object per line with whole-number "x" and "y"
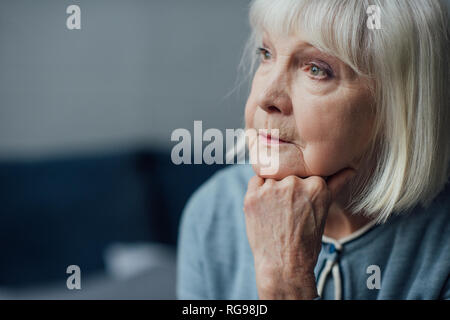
{"x": 285, "y": 221}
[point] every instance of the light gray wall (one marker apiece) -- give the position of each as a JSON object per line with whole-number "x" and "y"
{"x": 136, "y": 71}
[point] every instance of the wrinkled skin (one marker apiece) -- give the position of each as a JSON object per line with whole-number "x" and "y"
{"x": 324, "y": 114}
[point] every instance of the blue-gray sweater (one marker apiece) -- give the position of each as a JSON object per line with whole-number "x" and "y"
{"x": 408, "y": 257}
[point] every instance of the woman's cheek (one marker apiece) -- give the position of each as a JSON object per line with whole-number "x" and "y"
{"x": 313, "y": 123}
{"x": 323, "y": 136}
{"x": 333, "y": 146}
{"x": 323, "y": 160}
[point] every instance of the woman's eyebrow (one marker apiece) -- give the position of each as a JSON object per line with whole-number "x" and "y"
{"x": 309, "y": 50}
{"x": 304, "y": 48}
{"x": 266, "y": 42}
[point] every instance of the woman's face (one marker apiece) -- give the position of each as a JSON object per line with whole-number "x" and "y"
{"x": 320, "y": 106}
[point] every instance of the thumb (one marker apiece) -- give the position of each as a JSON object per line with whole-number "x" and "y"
{"x": 338, "y": 181}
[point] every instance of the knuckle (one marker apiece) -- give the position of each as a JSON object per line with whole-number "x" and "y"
{"x": 252, "y": 181}
{"x": 268, "y": 184}
{"x": 290, "y": 181}
{"x": 250, "y": 200}
{"x": 317, "y": 184}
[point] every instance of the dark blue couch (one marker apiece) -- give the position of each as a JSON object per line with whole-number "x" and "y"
{"x": 59, "y": 212}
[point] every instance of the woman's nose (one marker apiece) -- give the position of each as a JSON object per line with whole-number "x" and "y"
{"x": 276, "y": 101}
{"x": 274, "y": 96}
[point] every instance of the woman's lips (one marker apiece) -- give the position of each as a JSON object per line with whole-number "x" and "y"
{"x": 269, "y": 139}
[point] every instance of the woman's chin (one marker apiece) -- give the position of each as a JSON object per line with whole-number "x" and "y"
{"x": 279, "y": 173}
{"x": 289, "y": 162}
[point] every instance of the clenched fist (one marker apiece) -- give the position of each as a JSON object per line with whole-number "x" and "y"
{"x": 285, "y": 221}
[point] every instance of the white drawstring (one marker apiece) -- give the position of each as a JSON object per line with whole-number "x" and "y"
{"x": 337, "y": 281}
{"x": 332, "y": 266}
{"x": 323, "y": 277}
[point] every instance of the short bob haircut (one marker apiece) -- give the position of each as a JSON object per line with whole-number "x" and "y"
{"x": 408, "y": 62}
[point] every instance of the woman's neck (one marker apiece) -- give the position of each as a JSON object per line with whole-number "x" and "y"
{"x": 341, "y": 224}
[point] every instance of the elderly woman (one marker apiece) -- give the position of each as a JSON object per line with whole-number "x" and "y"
{"x": 358, "y": 208}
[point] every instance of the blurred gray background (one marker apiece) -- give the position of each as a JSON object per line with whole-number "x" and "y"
{"x": 86, "y": 118}
{"x": 137, "y": 70}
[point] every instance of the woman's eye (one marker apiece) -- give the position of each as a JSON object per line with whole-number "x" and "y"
{"x": 318, "y": 72}
{"x": 265, "y": 54}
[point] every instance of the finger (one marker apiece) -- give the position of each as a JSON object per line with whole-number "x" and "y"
{"x": 339, "y": 180}
{"x": 269, "y": 182}
{"x": 254, "y": 183}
